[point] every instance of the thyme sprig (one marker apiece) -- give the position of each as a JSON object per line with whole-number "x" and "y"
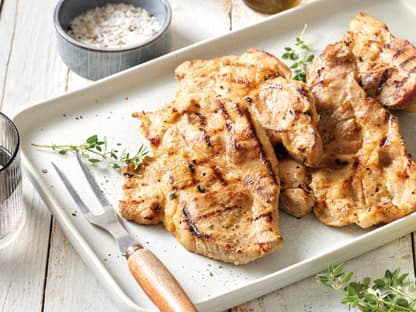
{"x": 391, "y": 293}
{"x": 96, "y": 151}
{"x": 300, "y": 56}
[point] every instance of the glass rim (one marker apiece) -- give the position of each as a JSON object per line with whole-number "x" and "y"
{"x": 10, "y": 161}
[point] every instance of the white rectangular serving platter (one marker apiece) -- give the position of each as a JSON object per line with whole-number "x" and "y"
{"x": 105, "y": 107}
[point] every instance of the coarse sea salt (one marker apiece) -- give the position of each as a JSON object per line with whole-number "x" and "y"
{"x": 114, "y": 26}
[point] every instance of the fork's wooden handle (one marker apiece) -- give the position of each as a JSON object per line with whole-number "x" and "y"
{"x": 158, "y": 283}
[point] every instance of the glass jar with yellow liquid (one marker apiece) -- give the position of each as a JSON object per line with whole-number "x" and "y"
{"x": 271, "y": 6}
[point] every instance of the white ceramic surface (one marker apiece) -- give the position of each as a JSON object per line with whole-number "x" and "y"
{"x": 105, "y": 109}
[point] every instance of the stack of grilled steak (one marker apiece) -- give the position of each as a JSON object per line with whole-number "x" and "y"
{"x": 214, "y": 179}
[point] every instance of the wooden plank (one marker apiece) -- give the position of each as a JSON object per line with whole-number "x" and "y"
{"x": 26, "y": 76}
{"x": 414, "y": 252}
{"x": 193, "y": 22}
{"x": 8, "y": 14}
{"x": 70, "y": 283}
{"x": 34, "y": 70}
{"x": 23, "y": 262}
{"x": 309, "y": 296}
{"x": 243, "y": 16}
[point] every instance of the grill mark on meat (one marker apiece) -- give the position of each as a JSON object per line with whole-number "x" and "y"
{"x": 341, "y": 162}
{"x": 302, "y": 91}
{"x": 320, "y": 76}
{"x": 171, "y": 180}
{"x": 237, "y": 108}
{"x": 398, "y": 52}
{"x": 246, "y": 113}
{"x": 228, "y": 122}
{"x": 403, "y": 175}
{"x": 218, "y": 174}
{"x": 263, "y": 154}
{"x": 405, "y": 62}
{"x": 223, "y": 110}
{"x": 207, "y": 139}
{"x": 383, "y": 80}
{"x": 309, "y": 114}
{"x": 379, "y": 48}
{"x": 348, "y": 182}
{"x": 213, "y": 213}
{"x": 191, "y": 166}
{"x": 202, "y": 119}
{"x": 192, "y": 227}
{"x": 244, "y": 82}
{"x": 266, "y": 215}
{"x": 399, "y": 85}
{"x": 347, "y": 42}
{"x": 195, "y": 104}
{"x": 356, "y": 164}
{"x": 155, "y": 140}
{"x": 155, "y": 208}
{"x": 250, "y": 181}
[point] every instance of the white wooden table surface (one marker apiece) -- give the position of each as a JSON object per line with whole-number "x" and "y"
{"x": 40, "y": 271}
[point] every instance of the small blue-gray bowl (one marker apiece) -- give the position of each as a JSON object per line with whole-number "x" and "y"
{"x": 96, "y": 63}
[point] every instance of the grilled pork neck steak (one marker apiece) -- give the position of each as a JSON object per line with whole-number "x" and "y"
{"x": 212, "y": 180}
{"x": 283, "y": 106}
{"x": 387, "y": 65}
{"x": 367, "y": 176}
{"x": 296, "y": 197}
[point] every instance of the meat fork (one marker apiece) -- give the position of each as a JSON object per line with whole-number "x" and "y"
{"x": 151, "y": 274}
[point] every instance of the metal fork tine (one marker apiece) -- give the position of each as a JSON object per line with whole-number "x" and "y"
{"x": 72, "y": 191}
{"x": 93, "y": 184}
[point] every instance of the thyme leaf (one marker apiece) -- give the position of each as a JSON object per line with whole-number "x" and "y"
{"x": 391, "y": 293}
{"x": 300, "y": 57}
{"x": 96, "y": 150}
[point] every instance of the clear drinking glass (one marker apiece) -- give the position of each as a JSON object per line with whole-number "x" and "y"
{"x": 11, "y": 208}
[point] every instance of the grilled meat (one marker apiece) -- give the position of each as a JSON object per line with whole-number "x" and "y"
{"x": 212, "y": 180}
{"x": 367, "y": 176}
{"x": 283, "y": 106}
{"x": 387, "y": 65}
{"x": 296, "y": 197}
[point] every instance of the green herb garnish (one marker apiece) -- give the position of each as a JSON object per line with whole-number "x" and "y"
{"x": 391, "y": 293}
{"x": 300, "y": 56}
{"x": 96, "y": 151}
